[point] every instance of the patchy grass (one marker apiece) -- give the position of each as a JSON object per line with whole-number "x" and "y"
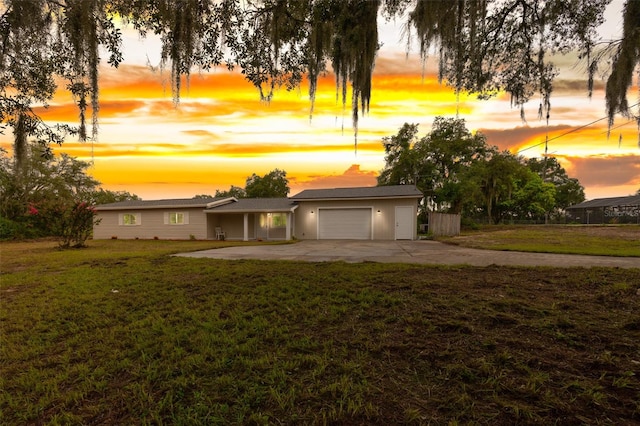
{"x": 122, "y": 333}
{"x": 27, "y": 253}
{"x": 607, "y": 240}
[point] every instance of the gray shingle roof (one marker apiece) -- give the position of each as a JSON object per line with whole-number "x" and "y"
{"x": 270, "y": 204}
{"x": 256, "y": 205}
{"x": 633, "y": 200}
{"x": 156, "y": 204}
{"x": 392, "y": 191}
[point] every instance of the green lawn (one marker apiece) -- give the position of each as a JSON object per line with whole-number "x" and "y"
{"x": 607, "y": 240}
{"x": 123, "y": 333}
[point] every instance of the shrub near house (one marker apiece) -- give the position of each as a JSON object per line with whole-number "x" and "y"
{"x": 75, "y": 224}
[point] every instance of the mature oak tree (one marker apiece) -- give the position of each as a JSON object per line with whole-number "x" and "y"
{"x": 502, "y": 187}
{"x": 234, "y": 191}
{"x": 435, "y": 162}
{"x": 492, "y": 183}
{"x": 483, "y": 47}
{"x": 272, "y": 185}
{"x": 459, "y": 172}
{"x": 569, "y": 191}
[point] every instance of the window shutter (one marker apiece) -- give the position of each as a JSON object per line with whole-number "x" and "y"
{"x": 166, "y": 218}
{"x": 185, "y": 218}
{"x": 138, "y": 218}
{"x": 121, "y": 219}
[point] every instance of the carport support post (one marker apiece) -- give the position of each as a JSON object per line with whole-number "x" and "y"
{"x": 288, "y": 227}
{"x": 246, "y": 227}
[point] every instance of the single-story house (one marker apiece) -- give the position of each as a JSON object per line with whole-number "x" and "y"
{"x": 606, "y": 210}
{"x": 367, "y": 213}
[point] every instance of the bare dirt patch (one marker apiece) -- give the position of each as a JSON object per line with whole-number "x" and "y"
{"x": 631, "y": 233}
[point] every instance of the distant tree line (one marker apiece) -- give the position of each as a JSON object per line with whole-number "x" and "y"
{"x": 459, "y": 173}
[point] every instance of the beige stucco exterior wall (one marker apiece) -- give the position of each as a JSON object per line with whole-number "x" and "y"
{"x": 152, "y": 225}
{"x": 383, "y": 222}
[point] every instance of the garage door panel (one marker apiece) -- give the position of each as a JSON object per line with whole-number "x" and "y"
{"x": 345, "y": 224}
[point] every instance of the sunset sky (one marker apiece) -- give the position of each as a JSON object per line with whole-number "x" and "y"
{"x": 221, "y": 133}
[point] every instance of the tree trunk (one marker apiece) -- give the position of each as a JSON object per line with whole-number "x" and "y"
{"x": 20, "y": 144}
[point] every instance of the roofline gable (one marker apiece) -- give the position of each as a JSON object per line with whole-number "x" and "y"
{"x": 221, "y": 202}
{"x": 256, "y": 210}
{"x": 254, "y": 205}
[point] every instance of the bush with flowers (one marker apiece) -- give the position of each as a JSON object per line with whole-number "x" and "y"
{"x": 74, "y": 224}
{"x": 50, "y": 196}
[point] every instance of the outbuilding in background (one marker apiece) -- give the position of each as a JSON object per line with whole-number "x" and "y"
{"x": 606, "y": 210}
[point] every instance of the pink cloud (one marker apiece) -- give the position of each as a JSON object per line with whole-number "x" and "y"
{"x": 606, "y": 170}
{"x": 515, "y": 137}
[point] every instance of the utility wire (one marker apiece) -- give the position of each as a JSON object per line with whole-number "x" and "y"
{"x": 564, "y": 134}
{"x": 575, "y": 130}
{"x": 617, "y": 127}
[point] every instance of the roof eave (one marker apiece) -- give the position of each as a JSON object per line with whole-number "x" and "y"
{"x": 163, "y": 206}
{"x": 383, "y": 197}
{"x": 275, "y": 210}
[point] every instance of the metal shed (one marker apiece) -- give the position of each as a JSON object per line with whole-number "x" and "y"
{"x": 606, "y": 210}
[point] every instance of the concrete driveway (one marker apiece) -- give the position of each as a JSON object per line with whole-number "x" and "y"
{"x": 422, "y": 252}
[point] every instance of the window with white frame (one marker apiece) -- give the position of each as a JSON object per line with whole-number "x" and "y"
{"x": 176, "y": 218}
{"x": 129, "y": 219}
{"x": 278, "y": 220}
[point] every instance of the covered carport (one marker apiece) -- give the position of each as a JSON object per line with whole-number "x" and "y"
{"x": 253, "y": 219}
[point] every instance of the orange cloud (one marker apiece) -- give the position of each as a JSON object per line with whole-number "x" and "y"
{"x": 63, "y": 113}
{"x": 208, "y": 145}
{"x": 352, "y": 177}
{"x": 530, "y": 141}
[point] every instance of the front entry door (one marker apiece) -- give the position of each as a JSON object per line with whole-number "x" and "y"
{"x": 405, "y": 217}
{"x": 262, "y": 226}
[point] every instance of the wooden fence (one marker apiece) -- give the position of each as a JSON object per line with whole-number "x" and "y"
{"x": 444, "y": 224}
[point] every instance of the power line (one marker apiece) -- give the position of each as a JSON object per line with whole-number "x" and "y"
{"x": 564, "y": 134}
{"x": 575, "y": 130}
{"x": 617, "y": 127}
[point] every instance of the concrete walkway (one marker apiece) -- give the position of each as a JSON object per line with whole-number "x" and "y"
{"x": 422, "y": 252}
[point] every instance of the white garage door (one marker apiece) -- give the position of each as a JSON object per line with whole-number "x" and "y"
{"x": 344, "y": 224}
